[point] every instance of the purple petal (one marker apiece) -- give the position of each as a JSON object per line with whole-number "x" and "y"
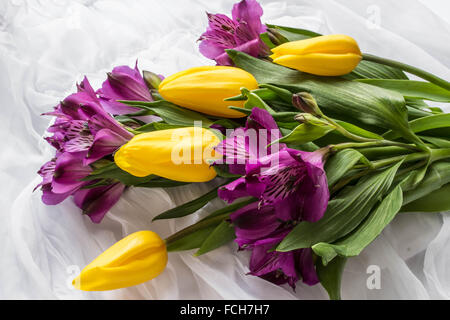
{"x": 78, "y": 144}
{"x": 117, "y": 108}
{"x": 105, "y": 143}
{"x": 232, "y": 191}
{"x": 123, "y": 83}
{"x": 105, "y": 121}
{"x": 249, "y": 12}
{"x": 69, "y": 170}
{"x": 315, "y": 194}
{"x": 96, "y": 202}
{"x": 252, "y": 223}
{"x": 306, "y": 266}
{"x": 261, "y": 119}
{"x": 251, "y": 47}
{"x": 211, "y": 50}
{"x": 50, "y": 198}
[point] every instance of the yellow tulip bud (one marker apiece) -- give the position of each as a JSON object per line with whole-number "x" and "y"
{"x": 177, "y": 154}
{"x": 331, "y": 55}
{"x": 135, "y": 259}
{"x": 204, "y": 89}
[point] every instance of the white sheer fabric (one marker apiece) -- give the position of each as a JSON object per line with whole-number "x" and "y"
{"x": 47, "y": 45}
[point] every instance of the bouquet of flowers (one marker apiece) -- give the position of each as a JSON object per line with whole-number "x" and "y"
{"x": 314, "y": 146}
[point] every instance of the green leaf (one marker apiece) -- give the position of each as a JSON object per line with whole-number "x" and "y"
{"x": 265, "y": 38}
{"x": 112, "y": 171}
{"x": 438, "y": 175}
{"x": 222, "y": 170}
{"x": 227, "y": 123}
{"x": 230, "y": 208}
{"x": 344, "y": 213}
{"x": 263, "y": 93}
{"x": 366, "y": 232}
{"x": 373, "y": 70}
{"x": 188, "y": 207}
{"x": 171, "y": 113}
{"x": 293, "y": 34}
{"x": 221, "y": 235}
{"x": 330, "y": 276}
{"x": 423, "y": 124}
{"x": 341, "y": 99}
{"x": 190, "y": 241}
{"x": 159, "y": 182}
{"x": 438, "y": 142}
{"x": 155, "y": 126}
{"x": 436, "y": 201}
{"x": 358, "y": 131}
{"x": 412, "y": 89}
{"x": 305, "y": 132}
{"x": 416, "y": 103}
{"x": 254, "y": 101}
{"x": 414, "y": 113}
{"x": 340, "y": 163}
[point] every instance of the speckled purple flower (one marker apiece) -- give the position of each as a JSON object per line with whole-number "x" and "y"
{"x": 260, "y": 231}
{"x": 123, "y": 83}
{"x": 241, "y": 32}
{"x": 82, "y": 133}
{"x": 292, "y": 181}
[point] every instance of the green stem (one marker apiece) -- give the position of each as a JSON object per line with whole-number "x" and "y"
{"x": 374, "y": 143}
{"x": 346, "y": 133}
{"x": 410, "y": 69}
{"x": 213, "y": 218}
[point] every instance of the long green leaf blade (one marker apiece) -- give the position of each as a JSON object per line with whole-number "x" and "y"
{"x": 221, "y": 235}
{"x": 188, "y": 207}
{"x": 340, "y": 163}
{"x": 423, "y": 124}
{"x": 343, "y": 214}
{"x": 353, "y": 244}
{"x": 330, "y": 276}
{"x": 171, "y": 113}
{"x": 412, "y": 88}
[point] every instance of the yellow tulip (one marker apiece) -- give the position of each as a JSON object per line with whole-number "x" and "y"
{"x": 331, "y": 55}
{"x": 135, "y": 259}
{"x": 177, "y": 154}
{"x": 204, "y": 89}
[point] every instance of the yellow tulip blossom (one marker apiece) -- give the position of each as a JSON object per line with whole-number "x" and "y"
{"x": 177, "y": 154}
{"x": 331, "y": 55}
{"x": 135, "y": 259}
{"x": 204, "y": 89}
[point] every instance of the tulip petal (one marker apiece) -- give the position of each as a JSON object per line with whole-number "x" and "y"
{"x": 135, "y": 259}
{"x": 204, "y": 89}
{"x": 322, "y": 64}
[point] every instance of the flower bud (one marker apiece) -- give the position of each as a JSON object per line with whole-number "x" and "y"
{"x": 152, "y": 80}
{"x": 204, "y": 89}
{"x": 331, "y": 55}
{"x": 306, "y": 103}
{"x": 180, "y": 154}
{"x": 135, "y": 259}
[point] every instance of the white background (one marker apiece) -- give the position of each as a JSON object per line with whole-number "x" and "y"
{"x": 48, "y": 45}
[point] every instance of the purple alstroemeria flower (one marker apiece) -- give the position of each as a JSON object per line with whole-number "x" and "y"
{"x": 123, "y": 83}
{"x": 240, "y": 33}
{"x": 84, "y": 128}
{"x": 259, "y": 230}
{"x": 97, "y": 201}
{"x": 292, "y": 181}
{"x": 83, "y": 133}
